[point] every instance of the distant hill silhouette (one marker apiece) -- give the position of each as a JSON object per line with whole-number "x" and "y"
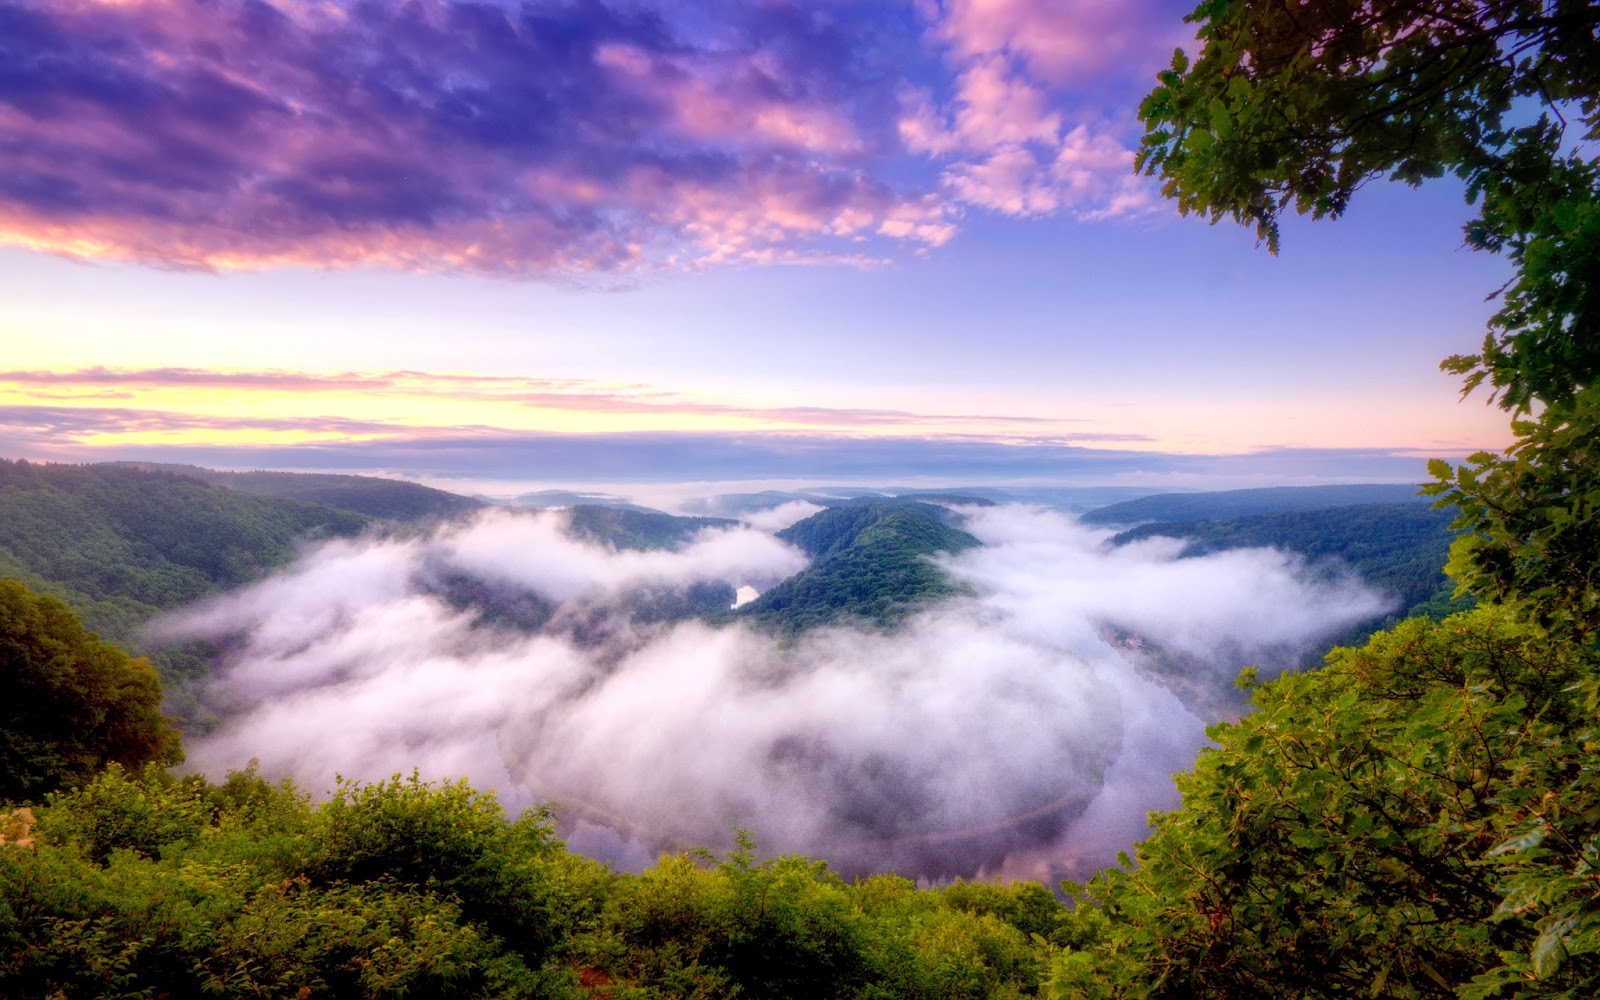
{"x": 374, "y": 496}
{"x": 1242, "y": 503}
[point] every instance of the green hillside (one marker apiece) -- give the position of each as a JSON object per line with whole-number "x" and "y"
{"x": 1400, "y": 548}
{"x": 543, "y": 499}
{"x": 869, "y": 562}
{"x": 120, "y": 545}
{"x": 1243, "y": 503}
{"x": 391, "y": 499}
{"x": 940, "y": 497}
{"x": 638, "y": 529}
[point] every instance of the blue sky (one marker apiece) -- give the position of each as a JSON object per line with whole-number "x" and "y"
{"x": 719, "y": 242}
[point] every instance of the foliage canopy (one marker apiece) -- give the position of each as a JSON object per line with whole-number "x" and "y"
{"x": 1416, "y": 819}
{"x": 69, "y": 703}
{"x": 1297, "y": 105}
{"x": 1300, "y": 104}
{"x": 140, "y": 885}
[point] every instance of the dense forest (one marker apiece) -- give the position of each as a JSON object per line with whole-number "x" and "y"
{"x": 121, "y": 544}
{"x": 870, "y": 563}
{"x": 391, "y": 499}
{"x": 1228, "y": 504}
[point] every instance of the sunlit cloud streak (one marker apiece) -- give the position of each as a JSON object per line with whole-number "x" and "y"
{"x": 575, "y": 395}
{"x": 642, "y": 457}
{"x": 550, "y": 138}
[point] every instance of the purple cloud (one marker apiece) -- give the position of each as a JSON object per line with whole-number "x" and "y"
{"x": 544, "y": 138}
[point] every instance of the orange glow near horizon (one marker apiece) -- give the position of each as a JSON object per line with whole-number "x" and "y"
{"x": 106, "y": 408}
{"x": 242, "y": 407}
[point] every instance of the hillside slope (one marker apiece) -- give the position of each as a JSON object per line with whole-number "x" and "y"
{"x": 869, "y": 562}
{"x": 373, "y": 496}
{"x": 637, "y": 528}
{"x": 121, "y": 545}
{"x": 1400, "y": 548}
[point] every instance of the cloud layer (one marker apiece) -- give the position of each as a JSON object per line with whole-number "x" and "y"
{"x": 1007, "y": 731}
{"x": 552, "y": 138}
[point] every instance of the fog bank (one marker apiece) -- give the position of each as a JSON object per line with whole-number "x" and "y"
{"x": 1024, "y": 729}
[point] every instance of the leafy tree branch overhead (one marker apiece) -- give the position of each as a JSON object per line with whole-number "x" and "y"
{"x": 1298, "y": 105}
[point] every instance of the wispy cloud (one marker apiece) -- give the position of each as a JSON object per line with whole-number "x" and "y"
{"x": 551, "y": 138}
{"x": 482, "y": 454}
{"x": 1009, "y": 731}
{"x": 189, "y": 390}
{"x": 463, "y": 425}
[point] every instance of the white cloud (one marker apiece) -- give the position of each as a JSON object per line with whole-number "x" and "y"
{"x": 1004, "y": 730}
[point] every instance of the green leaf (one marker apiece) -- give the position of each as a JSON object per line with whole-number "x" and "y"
{"x": 1551, "y": 947}
{"x": 1221, "y": 121}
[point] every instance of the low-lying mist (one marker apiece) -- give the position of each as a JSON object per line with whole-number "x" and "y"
{"x": 1023, "y": 730}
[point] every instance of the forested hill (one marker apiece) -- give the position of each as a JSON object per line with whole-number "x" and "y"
{"x": 1243, "y": 503}
{"x": 391, "y": 499}
{"x": 638, "y": 529}
{"x": 869, "y": 562}
{"x": 941, "y": 498}
{"x": 120, "y": 545}
{"x": 1397, "y": 547}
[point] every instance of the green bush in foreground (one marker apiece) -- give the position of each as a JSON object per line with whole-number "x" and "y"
{"x": 1420, "y": 818}
{"x": 70, "y": 703}
{"x": 138, "y": 884}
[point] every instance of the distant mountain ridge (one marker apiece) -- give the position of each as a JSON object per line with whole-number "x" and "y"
{"x": 1400, "y": 548}
{"x": 374, "y": 496}
{"x": 1242, "y": 503}
{"x": 638, "y": 528}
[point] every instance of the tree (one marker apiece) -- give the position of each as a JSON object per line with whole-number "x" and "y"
{"x": 1299, "y": 104}
{"x": 69, "y": 703}
{"x": 1416, "y": 819}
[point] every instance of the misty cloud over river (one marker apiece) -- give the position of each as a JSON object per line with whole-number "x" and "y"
{"x": 1026, "y": 729}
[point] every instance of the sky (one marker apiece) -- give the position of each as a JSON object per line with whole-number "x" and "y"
{"x": 489, "y": 245}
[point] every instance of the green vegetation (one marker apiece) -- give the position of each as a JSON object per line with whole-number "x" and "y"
{"x": 959, "y": 499}
{"x": 137, "y": 884}
{"x": 390, "y": 499}
{"x": 1302, "y": 104}
{"x": 1225, "y": 504}
{"x": 1399, "y": 548}
{"x": 121, "y": 545}
{"x": 1418, "y": 818}
{"x": 870, "y": 562}
{"x": 640, "y": 530}
{"x": 69, "y": 703}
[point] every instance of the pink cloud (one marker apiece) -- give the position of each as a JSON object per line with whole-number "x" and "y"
{"x": 552, "y": 394}
{"x": 1068, "y": 41}
{"x": 550, "y": 138}
{"x": 1021, "y": 134}
{"x": 440, "y": 135}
